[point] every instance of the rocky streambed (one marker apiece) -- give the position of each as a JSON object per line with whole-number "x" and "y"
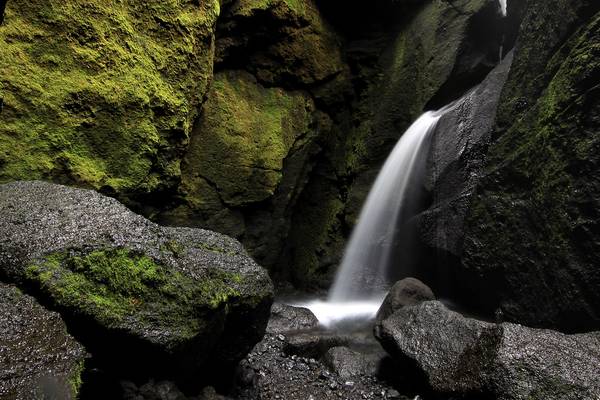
{"x": 98, "y": 303}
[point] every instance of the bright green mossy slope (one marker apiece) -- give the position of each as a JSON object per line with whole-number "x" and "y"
{"x": 102, "y": 93}
{"x": 117, "y": 286}
{"x": 243, "y": 138}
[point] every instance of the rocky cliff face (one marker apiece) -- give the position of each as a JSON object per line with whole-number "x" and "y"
{"x": 532, "y": 236}
{"x": 268, "y": 121}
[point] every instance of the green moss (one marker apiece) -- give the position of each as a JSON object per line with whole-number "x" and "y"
{"x": 101, "y": 94}
{"x": 113, "y": 285}
{"x": 245, "y": 134}
{"x": 75, "y": 379}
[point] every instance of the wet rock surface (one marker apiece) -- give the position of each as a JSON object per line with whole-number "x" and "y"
{"x": 130, "y": 290}
{"x": 270, "y": 373}
{"x": 348, "y": 363}
{"x": 407, "y": 292}
{"x": 39, "y": 360}
{"x": 286, "y": 318}
{"x": 314, "y": 364}
{"x": 505, "y": 361}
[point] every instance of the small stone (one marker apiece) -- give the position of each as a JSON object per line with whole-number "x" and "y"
{"x": 281, "y": 337}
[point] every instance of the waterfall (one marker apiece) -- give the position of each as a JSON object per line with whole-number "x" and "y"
{"x": 368, "y": 255}
{"x": 503, "y": 7}
{"x": 360, "y": 284}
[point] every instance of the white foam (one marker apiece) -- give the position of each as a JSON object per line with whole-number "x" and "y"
{"x": 332, "y": 313}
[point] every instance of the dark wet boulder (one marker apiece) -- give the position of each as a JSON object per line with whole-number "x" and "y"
{"x": 505, "y": 361}
{"x": 406, "y": 292}
{"x": 129, "y": 289}
{"x": 286, "y": 318}
{"x": 348, "y": 363}
{"x": 38, "y": 358}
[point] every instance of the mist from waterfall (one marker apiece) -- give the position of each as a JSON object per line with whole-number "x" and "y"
{"x": 361, "y": 281}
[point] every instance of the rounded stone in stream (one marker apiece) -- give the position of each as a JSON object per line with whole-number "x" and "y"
{"x": 149, "y": 300}
{"x": 285, "y": 318}
{"x": 38, "y": 358}
{"x": 406, "y": 292}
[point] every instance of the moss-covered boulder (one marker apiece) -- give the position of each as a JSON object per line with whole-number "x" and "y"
{"x": 247, "y": 162}
{"x": 244, "y": 136}
{"x": 38, "y": 358}
{"x": 102, "y": 95}
{"x": 131, "y": 290}
{"x": 531, "y": 246}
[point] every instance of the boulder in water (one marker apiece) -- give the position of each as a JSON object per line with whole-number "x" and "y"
{"x": 506, "y": 361}
{"x": 38, "y": 358}
{"x": 406, "y": 292}
{"x": 130, "y": 290}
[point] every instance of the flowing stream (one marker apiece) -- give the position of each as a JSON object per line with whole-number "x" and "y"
{"x": 360, "y": 284}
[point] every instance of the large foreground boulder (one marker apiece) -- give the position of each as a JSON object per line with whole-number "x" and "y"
{"x": 160, "y": 299}
{"x": 506, "y": 361}
{"x": 38, "y": 358}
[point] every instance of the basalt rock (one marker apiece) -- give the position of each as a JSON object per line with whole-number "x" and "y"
{"x": 131, "y": 290}
{"x": 532, "y": 231}
{"x": 348, "y": 363}
{"x": 467, "y": 357}
{"x": 285, "y": 318}
{"x": 404, "y": 293}
{"x": 38, "y": 358}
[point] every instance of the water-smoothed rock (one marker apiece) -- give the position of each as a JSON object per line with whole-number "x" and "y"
{"x": 129, "y": 289}
{"x": 38, "y": 359}
{"x": 285, "y": 318}
{"x": 507, "y": 361}
{"x": 407, "y": 292}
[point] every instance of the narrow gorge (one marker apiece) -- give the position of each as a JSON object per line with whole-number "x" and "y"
{"x": 299, "y": 199}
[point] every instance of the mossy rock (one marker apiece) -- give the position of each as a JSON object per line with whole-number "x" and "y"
{"x": 245, "y": 134}
{"x": 102, "y": 95}
{"x": 180, "y": 295}
{"x": 39, "y": 358}
{"x": 283, "y": 42}
{"x": 532, "y": 234}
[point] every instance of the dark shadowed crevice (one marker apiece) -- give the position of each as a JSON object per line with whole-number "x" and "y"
{"x": 2, "y": 7}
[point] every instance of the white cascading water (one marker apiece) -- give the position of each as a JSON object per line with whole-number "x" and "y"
{"x": 503, "y": 7}
{"x": 357, "y": 292}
